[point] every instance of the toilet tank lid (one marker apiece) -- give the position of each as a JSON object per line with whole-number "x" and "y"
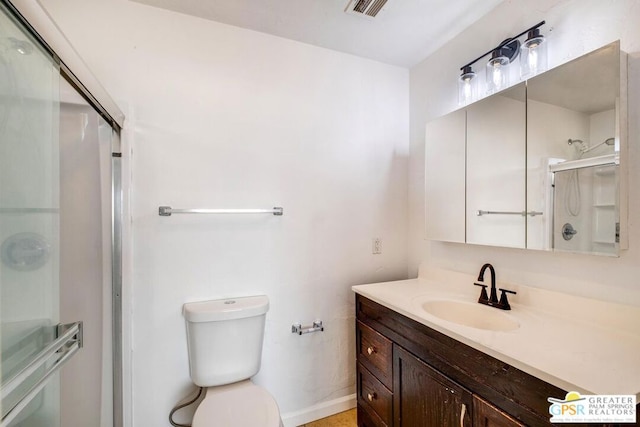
{"x": 225, "y": 309}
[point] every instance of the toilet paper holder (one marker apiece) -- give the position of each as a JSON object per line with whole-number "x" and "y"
{"x": 297, "y": 328}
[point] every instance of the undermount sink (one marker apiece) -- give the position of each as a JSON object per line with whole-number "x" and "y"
{"x": 471, "y": 314}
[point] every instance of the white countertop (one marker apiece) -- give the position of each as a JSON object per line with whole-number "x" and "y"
{"x": 575, "y": 343}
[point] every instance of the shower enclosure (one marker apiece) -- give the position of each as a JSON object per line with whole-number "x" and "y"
{"x": 585, "y": 203}
{"x": 60, "y": 216}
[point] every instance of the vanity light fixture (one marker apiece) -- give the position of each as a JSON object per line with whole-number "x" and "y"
{"x": 497, "y": 68}
{"x": 467, "y": 86}
{"x": 533, "y": 55}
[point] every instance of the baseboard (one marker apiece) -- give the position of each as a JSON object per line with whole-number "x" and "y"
{"x": 321, "y": 410}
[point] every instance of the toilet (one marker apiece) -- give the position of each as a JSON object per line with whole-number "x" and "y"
{"x": 224, "y": 339}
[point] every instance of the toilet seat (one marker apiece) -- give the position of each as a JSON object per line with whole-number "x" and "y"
{"x": 241, "y": 404}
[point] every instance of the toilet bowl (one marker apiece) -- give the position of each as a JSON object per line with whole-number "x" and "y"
{"x": 242, "y": 404}
{"x": 224, "y": 339}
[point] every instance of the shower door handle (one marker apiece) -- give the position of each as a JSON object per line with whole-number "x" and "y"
{"x": 58, "y": 351}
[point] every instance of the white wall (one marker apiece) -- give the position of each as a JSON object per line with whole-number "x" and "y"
{"x": 224, "y": 117}
{"x": 574, "y": 27}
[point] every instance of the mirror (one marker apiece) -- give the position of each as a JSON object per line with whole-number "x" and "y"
{"x": 573, "y": 145}
{"x": 495, "y": 184}
{"x": 536, "y": 166}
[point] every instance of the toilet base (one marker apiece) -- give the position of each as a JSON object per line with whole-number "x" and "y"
{"x": 241, "y": 404}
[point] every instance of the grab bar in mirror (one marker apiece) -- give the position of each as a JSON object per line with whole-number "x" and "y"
{"x": 57, "y": 352}
{"x": 168, "y": 211}
{"x": 521, "y": 213}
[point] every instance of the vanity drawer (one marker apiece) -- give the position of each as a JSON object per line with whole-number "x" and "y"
{"x": 375, "y": 353}
{"x": 374, "y": 396}
{"x": 366, "y": 419}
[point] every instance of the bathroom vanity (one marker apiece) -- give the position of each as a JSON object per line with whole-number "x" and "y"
{"x": 416, "y": 369}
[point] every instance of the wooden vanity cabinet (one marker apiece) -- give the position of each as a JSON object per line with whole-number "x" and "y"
{"x": 410, "y": 375}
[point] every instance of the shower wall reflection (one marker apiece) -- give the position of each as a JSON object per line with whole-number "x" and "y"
{"x": 85, "y": 258}
{"x": 585, "y": 209}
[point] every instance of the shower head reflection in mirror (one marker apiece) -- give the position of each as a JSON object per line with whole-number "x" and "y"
{"x": 583, "y": 148}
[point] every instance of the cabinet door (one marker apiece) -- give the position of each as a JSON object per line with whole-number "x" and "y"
{"x": 423, "y": 397}
{"x": 445, "y": 151}
{"x": 487, "y": 415}
{"x": 575, "y": 112}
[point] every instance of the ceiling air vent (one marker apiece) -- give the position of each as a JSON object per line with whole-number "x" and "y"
{"x": 369, "y": 8}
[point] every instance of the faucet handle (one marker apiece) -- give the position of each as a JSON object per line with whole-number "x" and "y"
{"x": 484, "y": 298}
{"x": 504, "y": 302}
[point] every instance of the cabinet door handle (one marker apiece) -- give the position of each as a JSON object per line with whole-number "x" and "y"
{"x": 463, "y": 412}
{"x": 371, "y": 350}
{"x": 371, "y": 396}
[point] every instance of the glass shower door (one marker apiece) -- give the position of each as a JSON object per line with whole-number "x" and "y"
{"x": 32, "y": 342}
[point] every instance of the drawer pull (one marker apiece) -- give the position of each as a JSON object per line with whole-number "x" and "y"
{"x": 371, "y": 396}
{"x": 463, "y": 412}
{"x": 370, "y": 350}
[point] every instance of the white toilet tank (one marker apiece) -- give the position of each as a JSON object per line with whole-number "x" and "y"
{"x": 224, "y": 338}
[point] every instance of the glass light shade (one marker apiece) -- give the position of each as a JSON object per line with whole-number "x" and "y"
{"x": 467, "y": 86}
{"x": 497, "y": 72}
{"x": 533, "y": 54}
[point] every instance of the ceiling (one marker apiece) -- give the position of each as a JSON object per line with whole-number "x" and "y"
{"x": 403, "y": 33}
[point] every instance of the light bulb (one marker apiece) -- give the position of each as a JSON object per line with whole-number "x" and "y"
{"x": 496, "y": 74}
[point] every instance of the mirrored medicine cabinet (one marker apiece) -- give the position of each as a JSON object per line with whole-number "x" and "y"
{"x": 540, "y": 165}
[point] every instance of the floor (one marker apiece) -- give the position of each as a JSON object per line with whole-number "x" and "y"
{"x": 343, "y": 419}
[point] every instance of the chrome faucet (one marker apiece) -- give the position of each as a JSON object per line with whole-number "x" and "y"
{"x": 492, "y": 300}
